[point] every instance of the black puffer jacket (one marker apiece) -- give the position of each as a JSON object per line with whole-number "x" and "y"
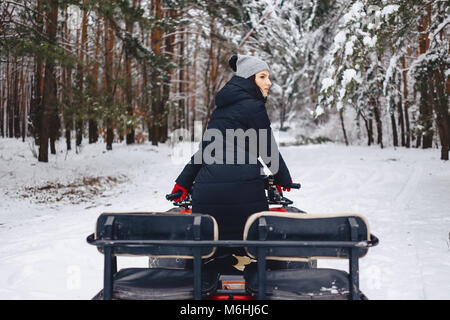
{"x": 232, "y": 192}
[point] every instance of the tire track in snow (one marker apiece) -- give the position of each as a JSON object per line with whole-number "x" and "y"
{"x": 401, "y": 202}
{"x": 406, "y": 193}
{"x": 364, "y": 179}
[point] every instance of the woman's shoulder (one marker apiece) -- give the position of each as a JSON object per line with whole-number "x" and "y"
{"x": 255, "y": 113}
{"x": 243, "y": 110}
{"x": 251, "y": 105}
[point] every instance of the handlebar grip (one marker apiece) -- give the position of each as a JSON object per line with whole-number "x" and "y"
{"x": 294, "y": 186}
{"x": 174, "y": 195}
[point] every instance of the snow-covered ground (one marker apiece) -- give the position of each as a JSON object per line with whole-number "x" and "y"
{"x": 48, "y": 210}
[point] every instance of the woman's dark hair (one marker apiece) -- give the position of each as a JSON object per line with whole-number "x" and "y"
{"x": 232, "y": 63}
{"x": 252, "y": 79}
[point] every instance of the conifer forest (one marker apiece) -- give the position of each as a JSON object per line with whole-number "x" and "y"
{"x": 90, "y": 71}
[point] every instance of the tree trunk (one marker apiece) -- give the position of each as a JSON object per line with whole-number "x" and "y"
{"x": 282, "y": 112}
{"x": 80, "y": 76}
{"x": 23, "y": 107}
{"x": 52, "y": 107}
{"x": 146, "y": 99}
{"x": 425, "y": 107}
{"x": 187, "y": 106}
{"x": 170, "y": 51}
{"x": 49, "y": 97}
{"x": 16, "y": 104}
{"x": 426, "y": 115}
{"x": 8, "y": 98}
{"x": 341, "y": 117}
{"x": 370, "y": 131}
{"x": 376, "y": 111}
{"x": 394, "y": 130}
{"x": 181, "y": 93}
{"x": 66, "y": 94}
{"x": 2, "y": 100}
{"x": 438, "y": 81}
{"x": 109, "y": 45}
{"x": 194, "y": 84}
{"x": 210, "y": 74}
{"x": 406, "y": 101}
{"x": 440, "y": 92}
{"x": 157, "y": 108}
{"x": 400, "y": 118}
{"x": 68, "y": 101}
{"x": 166, "y": 86}
{"x": 128, "y": 80}
{"x": 418, "y": 139}
{"x": 36, "y": 100}
{"x": 93, "y": 125}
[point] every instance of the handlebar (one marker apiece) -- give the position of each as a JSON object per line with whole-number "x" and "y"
{"x": 175, "y": 195}
{"x": 269, "y": 184}
{"x": 294, "y": 186}
{"x": 269, "y": 181}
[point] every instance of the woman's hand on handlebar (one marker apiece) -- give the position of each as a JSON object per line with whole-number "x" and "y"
{"x": 284, "y": 188}
{"x": 184, "y": 191}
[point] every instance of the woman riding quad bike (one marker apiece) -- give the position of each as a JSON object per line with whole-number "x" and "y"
{"x": 231, "y": 186}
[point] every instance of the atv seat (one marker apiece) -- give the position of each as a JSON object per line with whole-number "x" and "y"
{"x": 146, "y": 234}
{"x": 327, "y": 236}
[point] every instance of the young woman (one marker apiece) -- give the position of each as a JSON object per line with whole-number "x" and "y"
{"x": 231, "y": 192}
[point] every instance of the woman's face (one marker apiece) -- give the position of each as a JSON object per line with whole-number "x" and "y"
{"x": 263, "y": 82}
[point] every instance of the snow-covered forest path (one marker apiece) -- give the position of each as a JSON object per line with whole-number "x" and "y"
{"x": 404, "y": 194}
{"x": 406, "y": 197}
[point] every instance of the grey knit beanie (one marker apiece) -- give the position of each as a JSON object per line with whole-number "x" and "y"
{"x": 247, "y": 66}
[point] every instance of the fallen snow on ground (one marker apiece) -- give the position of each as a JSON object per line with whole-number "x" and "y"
{"x": 48, "y": 210}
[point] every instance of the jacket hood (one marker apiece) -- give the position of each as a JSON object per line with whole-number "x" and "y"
{"x": 237, "y": 89}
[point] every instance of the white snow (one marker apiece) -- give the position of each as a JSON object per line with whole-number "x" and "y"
{"x": 370, "y": 41}
{"x": 340, "y": 38}
{"x": 404, "y": 194}
{"x": 355, "y": 12}
{"x": 319, "y": 111}
{"x": 348, "y": 76}
{"x": 389, "y": 9}
{"x": 349, "y": 47}
{"x": 390, "y": 71}
{"x": 327, "y": 83}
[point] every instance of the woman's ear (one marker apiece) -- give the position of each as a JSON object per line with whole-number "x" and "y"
{"x": 232, "y": 62}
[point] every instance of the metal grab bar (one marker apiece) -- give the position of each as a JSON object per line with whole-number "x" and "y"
{"x": 234, "y": 243}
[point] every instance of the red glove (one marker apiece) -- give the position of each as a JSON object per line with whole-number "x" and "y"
{"x": 180, "y": 188}
{"x": 284, "y": 188}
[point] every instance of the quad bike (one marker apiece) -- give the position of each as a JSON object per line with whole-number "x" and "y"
{"x": 282, "y": 245}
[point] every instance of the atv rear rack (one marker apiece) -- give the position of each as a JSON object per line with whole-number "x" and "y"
{"x": 110, "y": 248}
